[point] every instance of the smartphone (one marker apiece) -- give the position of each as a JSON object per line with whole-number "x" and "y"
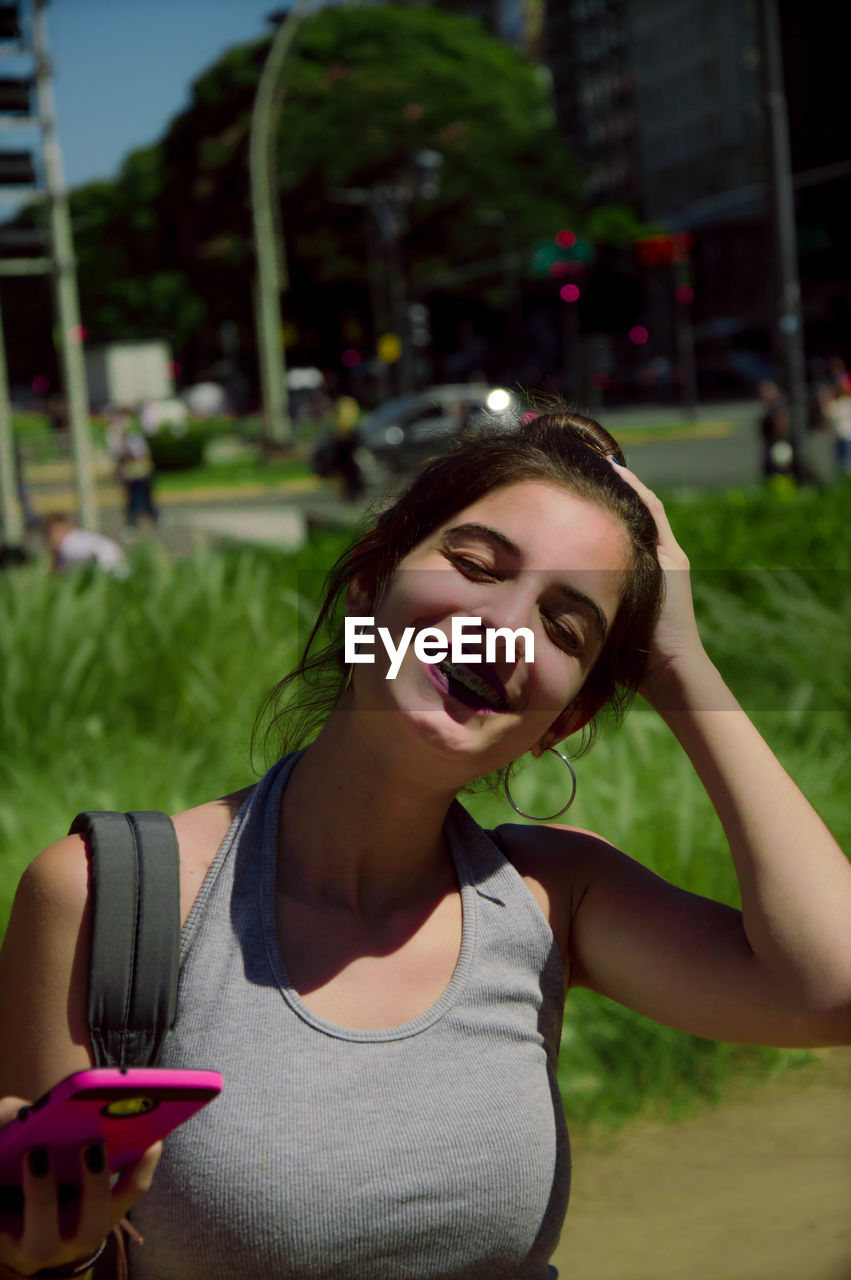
{"x": 128, "y": 1110}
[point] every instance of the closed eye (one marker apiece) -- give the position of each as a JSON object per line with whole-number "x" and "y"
{"x": 472, "y": 568}
{"x": 563, "y": 636}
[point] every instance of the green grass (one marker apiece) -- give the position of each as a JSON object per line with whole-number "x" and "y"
{"x": 142, "y": 693}
{"x": 235, "y": 472}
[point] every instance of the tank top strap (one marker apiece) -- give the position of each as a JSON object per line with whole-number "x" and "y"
{"x": 249, "y": 829}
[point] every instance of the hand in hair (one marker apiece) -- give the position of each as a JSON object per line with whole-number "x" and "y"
{"x": 675, "y": 636}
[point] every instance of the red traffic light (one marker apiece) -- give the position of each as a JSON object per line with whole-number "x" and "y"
{"x": 654, "y": 251}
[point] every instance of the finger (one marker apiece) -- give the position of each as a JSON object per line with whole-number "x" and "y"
{"x": 9, "y": 1108}
{"x": 652, "y": 502}
{"x": 134, "y": 1182}
{"x": 95, "y": 1218}
{"x": 40, "y": 1238}
{"x": 639, "y": 486}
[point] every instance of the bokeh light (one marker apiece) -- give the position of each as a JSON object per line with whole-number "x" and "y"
{"x": 560, "y": 269}
{"x": 498, "y": 400}
{"x": 76, "y": 334}
{"x": 41, "y": 384}
{"x": 638, "y": 334}
{"x": 565, "y": 239}
{"x": 350, "y": 358}
{"x": 569, "y": 292}
{"x": 685, "y": 293}
{"x": 174, "y": 368}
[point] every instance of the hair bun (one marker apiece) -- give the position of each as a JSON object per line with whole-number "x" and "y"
{"x": 586, "y": 430}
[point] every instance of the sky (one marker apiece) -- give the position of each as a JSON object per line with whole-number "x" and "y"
{"x": 123, "y": 69}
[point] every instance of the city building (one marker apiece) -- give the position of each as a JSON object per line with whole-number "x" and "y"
{"x": 661, "y": 101}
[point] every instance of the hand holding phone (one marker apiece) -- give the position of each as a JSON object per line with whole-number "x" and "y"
{"x": 58, "y": 1155}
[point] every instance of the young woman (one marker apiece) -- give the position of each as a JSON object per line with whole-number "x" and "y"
{"x": 379, "y": 980}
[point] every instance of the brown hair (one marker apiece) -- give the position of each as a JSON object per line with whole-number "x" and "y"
{"x": 564, "y": 448}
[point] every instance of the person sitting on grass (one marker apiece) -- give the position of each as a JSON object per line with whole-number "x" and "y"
{"x": 71, "y": 547}
{"x": 380, "y": 980}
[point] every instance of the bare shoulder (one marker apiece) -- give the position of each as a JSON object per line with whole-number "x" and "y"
{"x": 200, "y": 832}
{"x": 55, "y": 885}
{"x": 44, "y": 958}
{"x": 557, "y": 862}
{"x": 43, "y": 966}
{"x": 56, "y": 882}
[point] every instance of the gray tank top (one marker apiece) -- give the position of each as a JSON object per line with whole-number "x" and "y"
{"x": 433, "y": 1149}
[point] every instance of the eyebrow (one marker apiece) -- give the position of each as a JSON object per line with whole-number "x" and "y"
{"x": 568, "y": 591}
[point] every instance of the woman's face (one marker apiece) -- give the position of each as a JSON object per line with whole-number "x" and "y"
{"x": 530, "y": 555}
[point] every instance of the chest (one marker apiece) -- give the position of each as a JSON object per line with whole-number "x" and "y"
{"x": 370, "y": 976}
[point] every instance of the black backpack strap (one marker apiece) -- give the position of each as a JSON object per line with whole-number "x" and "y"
{"x": 135, "y": 896}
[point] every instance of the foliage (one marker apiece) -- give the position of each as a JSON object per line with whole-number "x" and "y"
{"x": 179, "y": 447}
{"x": 164, "y": 249}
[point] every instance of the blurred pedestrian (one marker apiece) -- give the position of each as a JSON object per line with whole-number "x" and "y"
{"x": 342, "y": 448}
{"x": 134, "y": 467}
{"x": 778, "y": 456}
{"x": 71, "y": 547}
{"x": 836, "y": 406}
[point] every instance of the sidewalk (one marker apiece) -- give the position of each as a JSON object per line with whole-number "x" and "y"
{"x": 753, "y": 1188}
{"x": 281, "y": 517}
{"x": 278, "y": 515}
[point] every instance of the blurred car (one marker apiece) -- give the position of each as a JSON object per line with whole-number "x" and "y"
{"x": 405, "y": 431}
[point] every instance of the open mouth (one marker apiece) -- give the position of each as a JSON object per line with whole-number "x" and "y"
{"x": 472, "y": 689}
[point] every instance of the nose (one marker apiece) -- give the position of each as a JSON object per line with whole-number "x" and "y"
{"x": 512, "y": 608}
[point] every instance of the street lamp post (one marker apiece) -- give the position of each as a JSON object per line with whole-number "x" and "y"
{"x": 790, "y": 335}
{"x": 10, "y": 507}
{"x": 65, "y": 282}
{"x": 271, "y": 275}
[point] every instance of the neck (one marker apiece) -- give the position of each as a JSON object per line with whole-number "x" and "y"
{"x": 359, "y": 826}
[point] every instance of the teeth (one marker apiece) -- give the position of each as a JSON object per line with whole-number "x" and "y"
{"x": 476, "y": 685}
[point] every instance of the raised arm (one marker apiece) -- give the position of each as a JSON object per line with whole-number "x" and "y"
{"x": 794, "y": 879}
{"x": 777, "y": 973}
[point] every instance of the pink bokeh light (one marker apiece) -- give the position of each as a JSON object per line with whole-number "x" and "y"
{"x": 638, "y": 334}
{"x": 569, "y": 292}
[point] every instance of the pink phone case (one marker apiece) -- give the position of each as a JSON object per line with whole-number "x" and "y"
{"x": 128, "y": 1110}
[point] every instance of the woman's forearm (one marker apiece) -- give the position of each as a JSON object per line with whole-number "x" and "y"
{"x": 795, "y": 881}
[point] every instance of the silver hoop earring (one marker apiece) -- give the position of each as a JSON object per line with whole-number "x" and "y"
{"x": 550, "y": 816}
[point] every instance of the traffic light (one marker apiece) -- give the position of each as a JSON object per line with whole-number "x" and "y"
{"x": 420, "y": 324}
{"x": 664, "y": 249}
{"x": 15, "y": 96}
{"x": 549, "y": 257}
{"x": 10, "y": 26}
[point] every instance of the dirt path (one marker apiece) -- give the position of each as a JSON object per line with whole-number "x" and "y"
{"x": 755, "y": 1188}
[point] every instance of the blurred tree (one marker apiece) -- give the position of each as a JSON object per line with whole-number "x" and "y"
{"x": 166, "y": 247}
{"x": 367, "y": 89}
